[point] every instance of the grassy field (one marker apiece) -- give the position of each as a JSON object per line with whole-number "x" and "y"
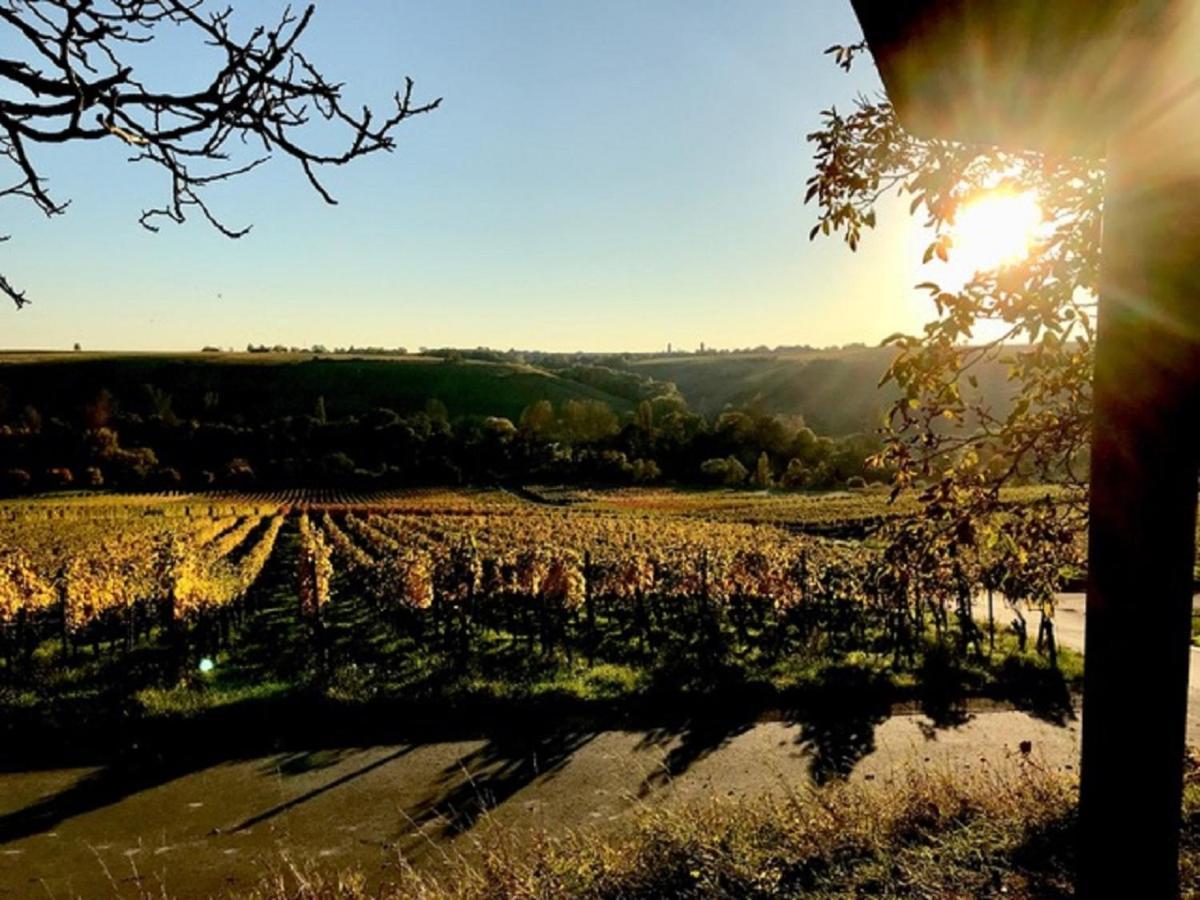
{"x": 287, "y": 384}
{"x": 836, "y": 392}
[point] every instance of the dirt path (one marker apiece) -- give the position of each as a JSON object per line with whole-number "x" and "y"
{"x": 212, "y": 830}
{"x": 1069, "y": 630}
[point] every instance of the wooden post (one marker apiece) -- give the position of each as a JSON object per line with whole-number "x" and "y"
{"x": 1142, "y": 516}
{"x": 991, "y": 623}
{"x": 589, "y": 605}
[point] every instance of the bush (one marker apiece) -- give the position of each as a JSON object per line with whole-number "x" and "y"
{"x": 796, "y": 474}
{"x": 499, "y": 427}
{"x": 15, "y": 481}
{"x": 645, "y": 471}
{"x": 239, "y": 473}
{"x": 728, "y": 471}
{"x": 166, "y": 478}
{"x": 59, "y": 479}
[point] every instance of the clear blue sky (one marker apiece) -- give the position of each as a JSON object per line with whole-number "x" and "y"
{"x": 601, "y": 176}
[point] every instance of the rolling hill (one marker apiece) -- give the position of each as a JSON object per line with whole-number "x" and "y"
{"x": 836, "y": 391}
{"x": 257, "y": 386}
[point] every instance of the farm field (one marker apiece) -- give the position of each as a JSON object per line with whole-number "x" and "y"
{"x": 451, "y": 650}
{"x": 166, "y": 606}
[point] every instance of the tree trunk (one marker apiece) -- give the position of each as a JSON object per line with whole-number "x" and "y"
{"x": 1141, "y": 546}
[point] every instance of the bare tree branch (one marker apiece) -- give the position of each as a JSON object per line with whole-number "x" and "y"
{"x": 65, "y": 77}
{"x": 16, "y": 296}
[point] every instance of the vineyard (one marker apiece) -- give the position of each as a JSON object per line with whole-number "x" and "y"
{"x": 417, "y": 593}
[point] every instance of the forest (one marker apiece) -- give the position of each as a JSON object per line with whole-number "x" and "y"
{"x": 290, "y": 425}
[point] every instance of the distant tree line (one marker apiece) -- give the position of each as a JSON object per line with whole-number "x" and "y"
{"x": 321, "y": 350}
{"x": 544, "y": 359}
{"x": 140, "y": 443}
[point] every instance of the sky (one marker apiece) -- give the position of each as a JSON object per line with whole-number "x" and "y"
{"x": 600, "y": 176}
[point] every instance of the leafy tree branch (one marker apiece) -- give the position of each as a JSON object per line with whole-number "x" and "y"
{"x": 1037, "y": 317}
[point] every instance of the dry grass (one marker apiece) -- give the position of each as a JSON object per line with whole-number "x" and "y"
{"x": 932, "y": 835}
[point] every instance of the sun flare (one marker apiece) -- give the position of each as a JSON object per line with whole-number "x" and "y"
{"x": 995, "y": 230}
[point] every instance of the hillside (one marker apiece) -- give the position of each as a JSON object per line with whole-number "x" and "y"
{"x": 273, "y": 385}
{"x": 836, "y": 391}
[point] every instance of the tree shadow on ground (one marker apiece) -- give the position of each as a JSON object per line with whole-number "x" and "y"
{"x": 838, "y": 729}
{"x": 341, "y": 780}
{"x": 943, "y": 684}
{"x": 302, "y": 762}
{"x": 697, "y": 705}
{"x": 1041, "y": 692}
{"x": 1047, "y": 857}
{"x": 484, "y": 779}
{"x": 524, "y": 741}
{"x": 697, "y": 738}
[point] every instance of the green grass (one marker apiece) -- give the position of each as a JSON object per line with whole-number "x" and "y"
{"x": 372, "y": 668}
{"x": 835, "y": 391}
{"x": 189, "y": 699}
{"x": 286, "y": 384}
{"x": 368, "y": 665}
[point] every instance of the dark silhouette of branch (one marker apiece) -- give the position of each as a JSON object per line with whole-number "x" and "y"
{"x": 66, "y": 76}
{"x": 17, "y": 296}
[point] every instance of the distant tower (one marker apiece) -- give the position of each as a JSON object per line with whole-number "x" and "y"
{"x": 702, "y": 346}
{"x": 668, "y": 346}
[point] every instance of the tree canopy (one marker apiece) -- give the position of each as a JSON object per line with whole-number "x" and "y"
{"x": 1036, "y": 316}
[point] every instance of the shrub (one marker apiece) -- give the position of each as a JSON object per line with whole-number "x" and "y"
{"x": 166, "y": 478}
{"x": 59, "y": 478}
{"x": 728, "y": 471}
{"x": 15, "y": 481}
{"x": 238, "y": 473}
{"x": 645, "y": 470}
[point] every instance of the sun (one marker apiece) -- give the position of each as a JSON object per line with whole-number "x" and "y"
{"x": 995, "y": 230}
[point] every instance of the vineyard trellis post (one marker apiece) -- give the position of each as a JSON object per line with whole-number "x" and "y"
{"x": 64, "y": 627}
{"x": 589, "y": 604}
{"x": 1103, "y": 77}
